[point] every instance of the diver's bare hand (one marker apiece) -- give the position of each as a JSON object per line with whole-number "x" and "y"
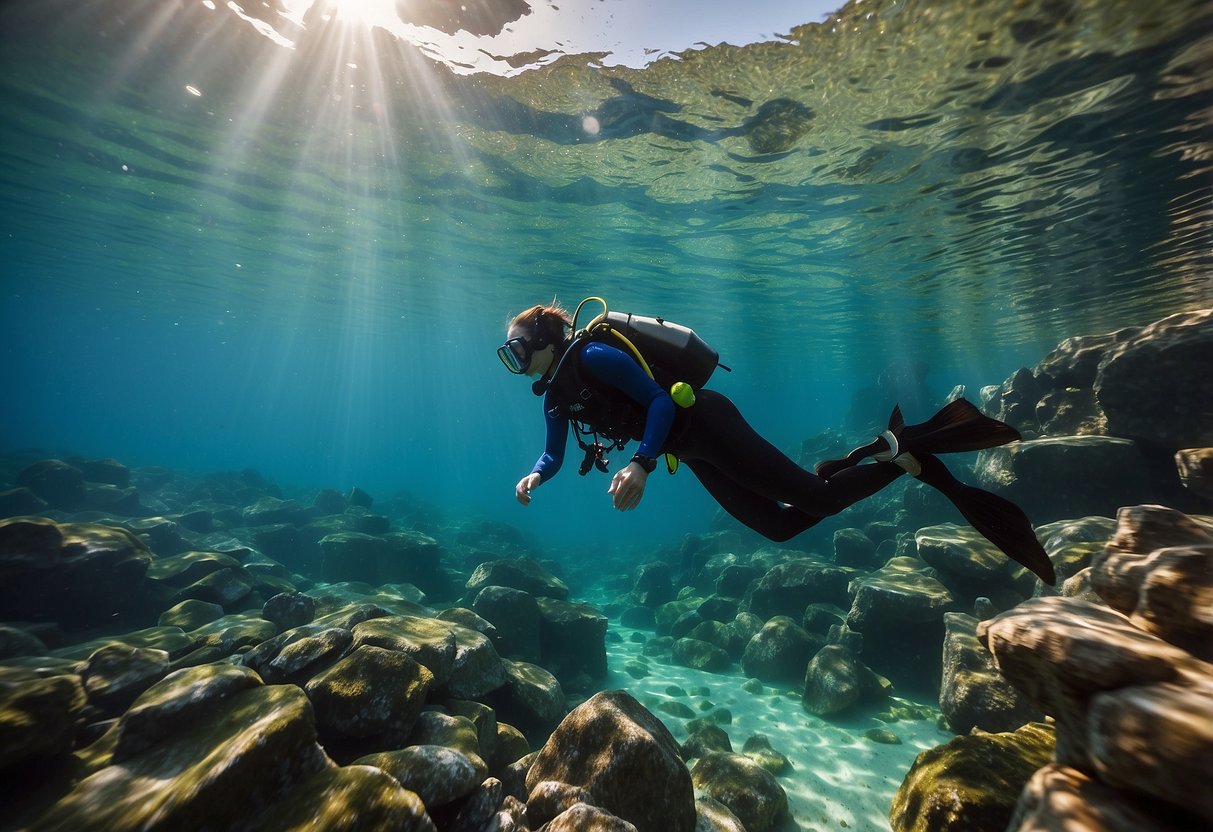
{"x": 627, "y": 486}
{"x": 522, "y": 491}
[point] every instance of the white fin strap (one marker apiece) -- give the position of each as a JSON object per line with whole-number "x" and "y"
{"x": 891, "y": 453}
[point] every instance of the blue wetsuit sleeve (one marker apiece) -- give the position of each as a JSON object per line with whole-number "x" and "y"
{"x": 553, "y": 451}
{"x": 618, "y": 369}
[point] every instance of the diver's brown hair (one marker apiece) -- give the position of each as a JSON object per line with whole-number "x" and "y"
{"x": 548, "y": 322}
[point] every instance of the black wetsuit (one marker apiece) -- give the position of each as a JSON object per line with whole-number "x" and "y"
{"x": 748, "y": 476}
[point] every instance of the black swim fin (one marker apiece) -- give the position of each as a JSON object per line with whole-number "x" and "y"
{"x": 958, "y": 426}
{"x": 997, "y": 519}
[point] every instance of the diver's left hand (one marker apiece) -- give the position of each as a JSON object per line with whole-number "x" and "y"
{"x": 627, "y": 486}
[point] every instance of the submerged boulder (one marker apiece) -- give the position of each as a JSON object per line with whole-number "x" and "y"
{"x": 520, "y": 573}
{"x": 749, "y": 791}
{"x": 76, "y": 574}
{"x": 370, "y": 693}
{"x": 620, "y": 753}
{"x": 973, "y": 693}
{"x": 780, "y": 651}
{"x": 971, "y": 782}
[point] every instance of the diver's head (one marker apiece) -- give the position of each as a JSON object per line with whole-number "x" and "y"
{"x": 534, "y": 339}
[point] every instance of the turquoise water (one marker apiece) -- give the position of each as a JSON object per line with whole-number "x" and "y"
{"x": 220, "y": 252}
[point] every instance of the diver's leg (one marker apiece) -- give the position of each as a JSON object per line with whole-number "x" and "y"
{"x": 957, "y": 426}
{"x": 770, "y": 518}
{"x": 721, "y": 437}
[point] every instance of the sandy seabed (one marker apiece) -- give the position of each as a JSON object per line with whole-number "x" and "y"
{"x": 839, "y": 779}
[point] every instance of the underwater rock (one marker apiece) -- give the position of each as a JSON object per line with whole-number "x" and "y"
{"x": 477, "y": 669}
{"x": 299, "y": 660}
{"x": 483, "y": 719}
{"x": 352, "y": 556}
{"x": 653, "y": 584}
{"x": 347, "y": 798}
{"x": 705, "y": 739}
{"x": 1195, "y": 466}
{"x": 173, "y": 704}
{"x": 714, "y": 816}
{"x": 735, "y": 579}
{"x": 520, "y": 573}
{"x": 510, "y": 746}
{"x": 787, "y": 588}
{"x": 1059, "y": 797}
{"x": 1066, "y": 476}
{"x": 900, "y": 591}
{"x": 853, "y": 548}
{"x": 581, "y": 817}
{"x": 962, "y": 551}
{"x": 111, "y": 500}
{"x": 758, "y": 748}
{"x": 749, "y": 791}
{"x": 226, "y": 587}
{"x": 428, "y": 641}
{"x": 53, "y": 480}
{"x": 836, "y": 680}
{"x": 719, "y": 608}
{"x": 1145, "y": 386}
{"x": 971, "y": 782}
{"x": 190, "y": 614}
{"x": 1119, "y": 572}
{"x": 15, "y": 502}
{"x": 233, "y": 632}
{"x": 466, "y": 618}
{"x": 819, "y": 618}
{"x": 549, "y": 798}
{"x": 15, "y": 641}
{"x": 473, "y": 812}
{"x": 287, "y": 610}
{"x": 572, "y": 639}
{"x": 724, "y": 636}
{"x": 435, "y": 773}
{"x": 78, "y": 575}
{"x": 218, "y": 770}
{"x": 116, "y": 674}
{"x": 515, "y": 616}
{"x": 38, "y": 714}
{"x": 329, "y": 501}
{"x": 700, "y": 655}
{"x": 780, "y": 651}
{"x": 973, "y": 693}
{"x": 1059, "y": 652}
{"x": 618, "y": 751}
{"x": 533, "y": 697}
{"x": 372, "y": 692}
{"x": 457, "y": 732}
{"x": 270, "y": 511}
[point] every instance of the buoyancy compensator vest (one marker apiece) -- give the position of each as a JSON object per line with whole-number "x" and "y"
{"x": 672, "y": 355}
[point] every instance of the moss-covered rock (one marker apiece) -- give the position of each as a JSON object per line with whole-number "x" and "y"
{"x": 457, "y": 732}
{"x": 37, "y": 713}
{"x": 836, "y": 679}
{"x": 190, "y": 614}
{"x": 173, "y": 704}
{"x": 437, "y": 774}
{"x": 780, "y": 651}
{"x": 116, "y": 674}
{"x": 971, "y": 782}
{"x": 428, "y": 641}
{"x": 214, "y": 771}
{"x": 347, "y": 799}
{"x": 622, "y": 754}
{"x": 700, "y": 655}
{"x": 745, "y": 787}
{"x": 370, "y": 693}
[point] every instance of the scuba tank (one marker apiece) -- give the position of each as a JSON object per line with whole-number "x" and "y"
{"x": 674, "y": 353}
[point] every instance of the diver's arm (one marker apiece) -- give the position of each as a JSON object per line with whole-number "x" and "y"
{"x": 617, "y": 369}
{"x": 551, "y": 459}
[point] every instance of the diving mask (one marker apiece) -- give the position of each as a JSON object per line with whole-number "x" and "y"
{"x": 516, "y": 354}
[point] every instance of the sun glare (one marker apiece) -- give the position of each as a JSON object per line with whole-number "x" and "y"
{"x": 368, "y": 12}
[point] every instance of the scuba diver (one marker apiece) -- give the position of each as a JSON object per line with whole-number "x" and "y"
{"x": 600, "y": 383}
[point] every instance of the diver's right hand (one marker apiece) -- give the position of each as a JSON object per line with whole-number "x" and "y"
{"x": 525, "y": 486}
